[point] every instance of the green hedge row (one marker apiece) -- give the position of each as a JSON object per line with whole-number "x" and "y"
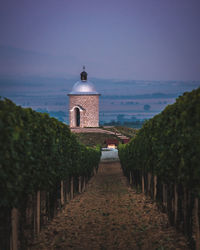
{"x": 168, "y": 145}
{"x": 36, "y": 152}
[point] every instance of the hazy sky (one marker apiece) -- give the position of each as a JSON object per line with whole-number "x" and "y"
{"x": 120, "y": 39}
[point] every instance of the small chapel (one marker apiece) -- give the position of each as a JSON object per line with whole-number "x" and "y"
{"x": 83, "y": 103}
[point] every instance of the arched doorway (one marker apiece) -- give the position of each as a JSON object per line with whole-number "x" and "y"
{"x": 77, "y": 117}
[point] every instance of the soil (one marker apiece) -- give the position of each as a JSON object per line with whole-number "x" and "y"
{"x": 110, "y": 215}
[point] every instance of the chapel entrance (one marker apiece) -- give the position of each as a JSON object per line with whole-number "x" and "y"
{"x": 77, "y": 117}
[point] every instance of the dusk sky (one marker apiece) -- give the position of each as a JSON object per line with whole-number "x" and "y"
{"x": 117, "y": 39}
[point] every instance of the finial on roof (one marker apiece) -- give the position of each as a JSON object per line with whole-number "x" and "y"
{"x": 83, "y": 75}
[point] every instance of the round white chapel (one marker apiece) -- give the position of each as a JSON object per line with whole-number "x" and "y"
{"x": 83, "y": 104}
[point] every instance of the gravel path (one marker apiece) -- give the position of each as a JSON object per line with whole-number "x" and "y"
{"x": 110, "y": 215}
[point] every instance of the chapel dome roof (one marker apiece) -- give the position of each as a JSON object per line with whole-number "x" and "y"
{"x": 83, "y": 87}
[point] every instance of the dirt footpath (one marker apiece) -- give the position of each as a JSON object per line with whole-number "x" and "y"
{"x": 110, "y": 215}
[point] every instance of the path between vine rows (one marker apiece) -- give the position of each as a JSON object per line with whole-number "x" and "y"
{"x": 110, "y": 215}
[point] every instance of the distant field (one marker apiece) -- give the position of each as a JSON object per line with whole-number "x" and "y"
{"x": 128, "y": 98}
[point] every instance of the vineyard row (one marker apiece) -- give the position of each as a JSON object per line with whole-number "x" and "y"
{"x": 163, "y": 160}
{"x": 39, "y": 157}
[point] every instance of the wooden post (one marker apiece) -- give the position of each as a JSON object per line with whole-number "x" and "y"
{"x": 175, "y": 204}
{"x": 45, "y": 207}
{"x": 164, "y": 195}
{"x": 154, "y": 187}
{"x": 130, "y": 178}
{"x": 79, "y": 184}
{"x": 142, "y": 183}
{"x": 84, "y": 184}
{"x": 149, "y": 184}
{"x": 35, "y": 213}
{"x": 67, "y": 196}
{"x": 185, "y": 210}
{"x": 196, "y": 222}
{"x": 72, "y": 187}
{"x": 29, "y": 210}
{"x": 62, "y": 193}
{"x": 38, "y": 212}
{"x": 14, "y": 218}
